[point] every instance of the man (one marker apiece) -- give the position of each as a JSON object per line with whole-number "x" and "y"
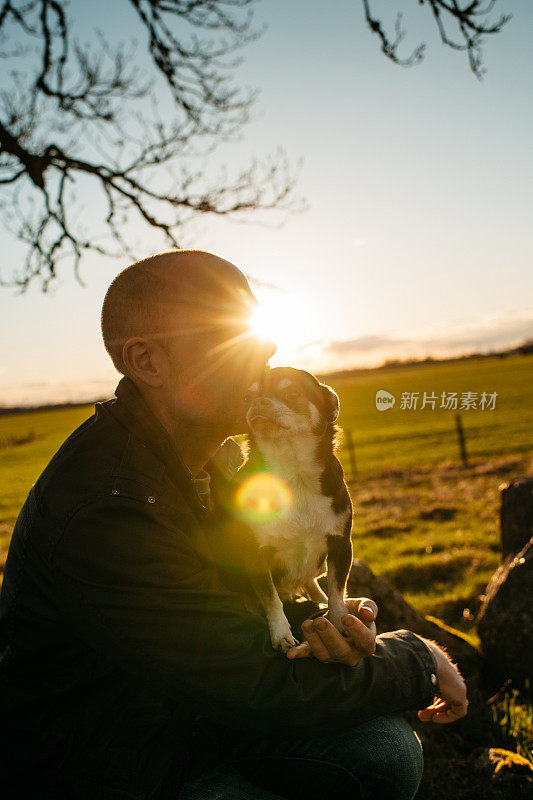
{"x": 127, "y": 668}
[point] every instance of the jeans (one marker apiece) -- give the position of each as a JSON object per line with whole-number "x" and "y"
{"x": 375, "y": 760}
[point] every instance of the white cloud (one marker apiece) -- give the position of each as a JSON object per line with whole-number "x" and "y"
{"x": 373, "y": 349}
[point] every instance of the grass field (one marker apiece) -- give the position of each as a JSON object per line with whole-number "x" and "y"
{"x": 21, "y": 465}
{"x": 400, "y": 437}
{"x": 422, "y": 518}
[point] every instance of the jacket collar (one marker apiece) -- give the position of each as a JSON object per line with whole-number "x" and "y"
{"x": 133, "y": 413}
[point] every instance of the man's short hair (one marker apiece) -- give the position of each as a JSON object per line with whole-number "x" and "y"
{"x": 149, "y": 298}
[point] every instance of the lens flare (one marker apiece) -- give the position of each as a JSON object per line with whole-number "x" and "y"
{"x": 288, "y": 319}
{"x": 263, "y": 497}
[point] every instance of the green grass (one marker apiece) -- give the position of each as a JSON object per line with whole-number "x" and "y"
{"x": 513, "y": 712}
{"x": 434, "y": 532}
{"x": 399, "y": 437}
{"x": 21, "y": 465}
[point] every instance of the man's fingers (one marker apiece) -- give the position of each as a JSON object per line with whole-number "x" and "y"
{"x": 366, "y": 615}
{"x": 363, "y": 638}
{"x": 360, "y": 642}
{"x": 450, "y": 713}
{"x": 325, "y": 643}
{"x": 364, "y": 609}
{"x": 300, "y": 651}
{"x": 367, "y": 607}
{"x": 441, "y": 712}
{"x": 311, "y": 630}
{"x": 371, "y": 626}
{"x": 337, "y": 645}
{"x": 361, "y": 606}
{"x": 427, "y": 714}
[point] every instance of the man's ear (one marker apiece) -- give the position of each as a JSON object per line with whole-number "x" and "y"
{"x": 332, "y": 401}
{"x": 142, "y": 361}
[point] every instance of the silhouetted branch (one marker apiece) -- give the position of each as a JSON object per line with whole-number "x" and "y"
{"x": 52, "y": 233}
{"x": 77, "y": 121}
{"x": 468, "y": 21}
{"x": 390, "y": 47}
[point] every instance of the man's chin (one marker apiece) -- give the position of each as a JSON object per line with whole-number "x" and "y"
{"x": 239, "y": 427}
{"x": 235, "y": 422}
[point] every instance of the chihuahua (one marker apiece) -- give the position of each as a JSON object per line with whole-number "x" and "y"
{"x": 291, "y": 444}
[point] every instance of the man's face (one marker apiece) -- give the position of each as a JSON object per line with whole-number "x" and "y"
{"x": 212, "y": 364}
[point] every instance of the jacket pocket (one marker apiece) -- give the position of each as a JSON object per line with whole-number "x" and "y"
{"x": 133, "y": 490}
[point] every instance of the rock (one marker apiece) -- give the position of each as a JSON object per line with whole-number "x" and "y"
{"x": 505, "y": 621}
{"x": 396, "y": 613}
{"x": 508, "y": 773}
{"x": 516, "y": 514}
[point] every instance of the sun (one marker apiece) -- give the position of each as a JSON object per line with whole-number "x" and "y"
{"x": 285, "y": 319}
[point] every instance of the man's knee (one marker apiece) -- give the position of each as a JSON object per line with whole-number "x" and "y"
{"x": 388, "y": 757}
{"x": 378, "y": 759}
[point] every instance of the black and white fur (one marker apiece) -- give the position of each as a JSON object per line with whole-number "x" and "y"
{"x": 291, "y": 418}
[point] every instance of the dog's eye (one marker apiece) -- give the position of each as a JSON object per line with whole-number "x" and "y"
{"x": 291, "y": 395}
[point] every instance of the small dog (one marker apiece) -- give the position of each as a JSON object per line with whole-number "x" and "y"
{"x": 298, "y": 512}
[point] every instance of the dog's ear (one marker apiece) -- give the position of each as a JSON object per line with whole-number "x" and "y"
{"x": 332, "y": 402}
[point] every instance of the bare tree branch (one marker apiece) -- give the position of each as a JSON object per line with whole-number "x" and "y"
{"x": 79, "y": 119}
{"x": 468, "y": 21}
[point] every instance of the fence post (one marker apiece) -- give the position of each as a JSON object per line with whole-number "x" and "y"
{"x": 351, "y": 452}
{"x": 461, "y": 437}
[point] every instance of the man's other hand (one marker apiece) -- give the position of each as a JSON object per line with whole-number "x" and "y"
{"x": 451, "y": 704}
{"x": 324, "y": 642}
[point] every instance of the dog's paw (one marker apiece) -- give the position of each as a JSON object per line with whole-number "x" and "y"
{"x": 285, "y": 643}
{"x": 281, "y": 637}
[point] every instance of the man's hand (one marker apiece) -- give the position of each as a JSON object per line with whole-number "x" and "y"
{"x": 452, "y": 703}
{"x": 324, "y": 642}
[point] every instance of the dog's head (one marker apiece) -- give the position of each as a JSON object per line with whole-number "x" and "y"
{"x": 290, "y": 402}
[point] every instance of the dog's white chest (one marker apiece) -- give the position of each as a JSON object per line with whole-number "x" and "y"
{"x": 299, "y": 539}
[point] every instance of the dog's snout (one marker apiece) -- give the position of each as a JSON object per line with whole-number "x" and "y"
{"x": 261, "y": 404}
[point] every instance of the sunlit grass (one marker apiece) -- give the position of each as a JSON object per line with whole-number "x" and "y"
{"x": 513, "y": 712}
{"x": 397, "y": 437}
{"x": 434, "y": 532}
{"x": 21, "y": 465}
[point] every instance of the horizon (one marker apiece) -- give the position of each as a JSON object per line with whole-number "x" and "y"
{"x": 88, "y": 399}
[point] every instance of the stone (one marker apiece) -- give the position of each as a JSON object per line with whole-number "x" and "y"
{"x": 516, "y": 514}
{"x": 505, "y": 621}
{"x": 509, "y": 774}
{"x": 394, "y": 613}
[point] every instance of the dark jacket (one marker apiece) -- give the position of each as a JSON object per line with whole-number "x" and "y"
{"x": 117, "y": 633}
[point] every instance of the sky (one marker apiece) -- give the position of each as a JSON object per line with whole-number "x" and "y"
{"x": 416, "y": 238}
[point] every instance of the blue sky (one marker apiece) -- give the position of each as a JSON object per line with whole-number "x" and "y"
{"x": 417, "y": 238}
